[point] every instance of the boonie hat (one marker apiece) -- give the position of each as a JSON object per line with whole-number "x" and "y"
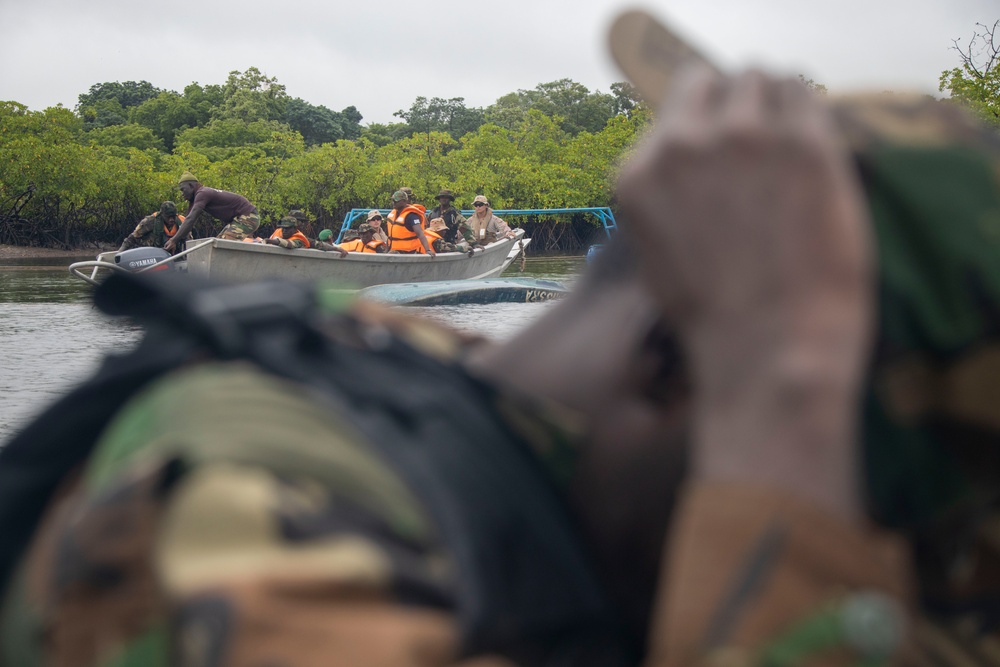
{"x": 480, "y": 199}
{"x": 446, "y": 193}
{"x": 373, "y": 213}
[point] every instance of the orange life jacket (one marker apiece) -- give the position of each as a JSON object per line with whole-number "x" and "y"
{"x": 297, "y": 235}
{"x": 400, "y": 238}
{"x": 356, "y": 245}
{"x": 432, "y": 236}
{"x": 170, "y": 231}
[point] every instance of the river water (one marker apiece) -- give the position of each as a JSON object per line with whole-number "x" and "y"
{"x": 54, "y": 337}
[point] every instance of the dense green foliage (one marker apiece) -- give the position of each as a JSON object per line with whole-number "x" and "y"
{"x": 976, "y": 83}
{"x": 69, "y": 177}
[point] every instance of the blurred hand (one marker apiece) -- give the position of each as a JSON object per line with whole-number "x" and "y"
{"x": 753, "y": 238}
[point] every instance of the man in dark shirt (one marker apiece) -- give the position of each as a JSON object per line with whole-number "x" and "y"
{"x": 235, "y": 210}
{"x": 452, "y": 217}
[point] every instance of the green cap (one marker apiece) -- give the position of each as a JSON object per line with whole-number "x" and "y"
{"x": 325, "y": 235}
{"x": 288, "y": 221}
{"x": 168, "y": 209}
{"x": 187, "y": 176}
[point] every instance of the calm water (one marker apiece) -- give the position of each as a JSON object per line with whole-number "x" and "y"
{"x": 55, "y": 338}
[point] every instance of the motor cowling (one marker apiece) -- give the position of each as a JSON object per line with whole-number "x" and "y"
{"x": 137, "y": 259}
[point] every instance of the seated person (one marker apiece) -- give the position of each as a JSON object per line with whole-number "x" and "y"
{"x": 365, "y": 241}
{"x": 374, "y": 219}
{"x": 155, "y": 229}
{"x": 326, "y": 244}
{"x": 287, "y": 235}
{"x": 435, "y": 232}
{"x": 406, "y": 227}
{"x": 484, "y": 225}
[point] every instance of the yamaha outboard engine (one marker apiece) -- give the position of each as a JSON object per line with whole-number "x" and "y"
{"x": 140, "y": 258}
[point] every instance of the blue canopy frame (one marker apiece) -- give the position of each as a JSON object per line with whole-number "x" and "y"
{"x": 602, "y": 213}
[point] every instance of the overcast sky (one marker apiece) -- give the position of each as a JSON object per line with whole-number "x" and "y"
{"x": 379, "y": 55}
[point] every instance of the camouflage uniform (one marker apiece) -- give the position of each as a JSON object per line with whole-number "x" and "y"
{"x": 240, "y": 228}
{"x": 150, "y": 230}
{"x": 454, "y": 221}
{"x": 282, "y": 536}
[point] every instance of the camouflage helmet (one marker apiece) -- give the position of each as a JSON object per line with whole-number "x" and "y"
{"x": 168, "y": 209}
{"x": 288, "y": 221}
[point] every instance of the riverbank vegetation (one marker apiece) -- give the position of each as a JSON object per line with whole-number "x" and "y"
{"x": 76, "y": 177}
{"x": 70, "y": 178}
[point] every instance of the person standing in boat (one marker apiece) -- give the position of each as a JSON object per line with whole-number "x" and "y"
{"x": 288, "y": 236}
{"x": 406, "y": 227}
{"x": 374, "y": 221}
{"x": 155, "y": 229}
{"x": 451, "y": 216}
{"x": 235, "y": 210}
{"x": 485, "y": 226}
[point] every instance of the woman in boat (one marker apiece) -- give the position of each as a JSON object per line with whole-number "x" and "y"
{"x": 487, "y": 227}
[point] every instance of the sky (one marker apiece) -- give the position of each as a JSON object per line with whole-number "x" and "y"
{"x": 379, "y": 55}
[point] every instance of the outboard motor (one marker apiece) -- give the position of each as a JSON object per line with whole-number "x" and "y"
{"x": 139, "y": 258}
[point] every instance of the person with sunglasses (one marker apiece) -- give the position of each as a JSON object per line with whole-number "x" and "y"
{"x": 374, "y": 221}
{"x": 485, "y": 226}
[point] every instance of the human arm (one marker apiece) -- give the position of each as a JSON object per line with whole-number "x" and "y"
{"x": 330, "y": 247}
{"x": 185, "y": 228}
{"x": 412, "y": 223}
{"x": 141, "y": 231}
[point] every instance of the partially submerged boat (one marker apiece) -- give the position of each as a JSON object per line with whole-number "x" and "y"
{"x": 466, "y": 292}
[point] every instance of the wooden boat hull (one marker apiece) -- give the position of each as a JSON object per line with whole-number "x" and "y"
{"x": 236, "y": 262}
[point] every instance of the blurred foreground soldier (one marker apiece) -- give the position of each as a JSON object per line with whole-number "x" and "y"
{"x": 155, "y": 229}
{"x": 325, "y": 243}
{"x": 288, "y": 236}
{"x": 451, "y": 216}
{"x": 825, "y": 463}
{"x": 238, "y": 214}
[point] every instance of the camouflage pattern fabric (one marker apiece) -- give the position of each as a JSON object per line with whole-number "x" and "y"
{"x": 453, "y": 220}
{"x": 241, "y": 227}
{"x": 278, "y": 536}
{"x": 932, "y": 414}
{"x": 149, "y": 232}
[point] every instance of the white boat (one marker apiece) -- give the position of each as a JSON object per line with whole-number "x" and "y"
{"x": 237, "y": 262}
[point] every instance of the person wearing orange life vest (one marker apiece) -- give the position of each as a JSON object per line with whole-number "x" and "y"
{"x": 406, "y": 227}
{"x": 155, "y": 228}
{"x": 287, "y": 235}
{"x": 365, "y": 241}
